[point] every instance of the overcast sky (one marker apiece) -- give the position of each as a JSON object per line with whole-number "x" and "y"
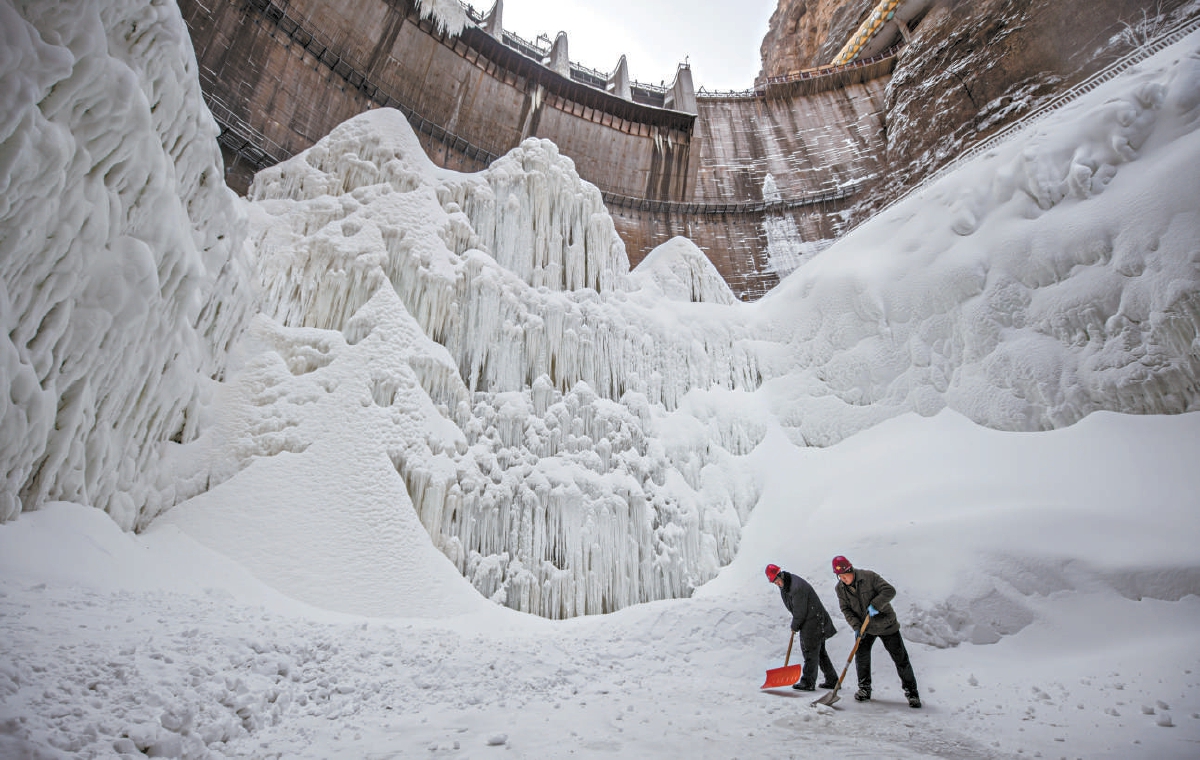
{"x": 719, "y": 39}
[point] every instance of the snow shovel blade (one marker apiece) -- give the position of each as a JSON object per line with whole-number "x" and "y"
{"x": 785, "y": 676}
{"x": 832, "y": 696}
{"x": 829, "y": 698}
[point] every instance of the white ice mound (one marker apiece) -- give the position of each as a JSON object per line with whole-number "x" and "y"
{"x": 1053, "y": 277}
{"x": 122, "y": 274}
{"x": 681, "y": 272}
{"x": 530, "y": 450}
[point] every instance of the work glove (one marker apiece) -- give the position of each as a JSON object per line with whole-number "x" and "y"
{"x": 871, "y": 610}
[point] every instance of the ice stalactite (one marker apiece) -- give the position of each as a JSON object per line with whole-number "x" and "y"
{"x": 121, "y": 291}
{"x": 562, "y": 505}
{"x": 539, "y": 221}
{"x": 449, "y": 16}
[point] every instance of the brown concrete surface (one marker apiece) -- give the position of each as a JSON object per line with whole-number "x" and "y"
{"x": 280, "y": 74}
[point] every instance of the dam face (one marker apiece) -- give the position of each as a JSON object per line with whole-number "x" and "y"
{"x": 758, "y": 179}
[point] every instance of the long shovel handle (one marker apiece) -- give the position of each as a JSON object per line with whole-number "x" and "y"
{"x": 857, "y": 641}
{"x": 789, "y": 652}
{"x": 832, "y": 696}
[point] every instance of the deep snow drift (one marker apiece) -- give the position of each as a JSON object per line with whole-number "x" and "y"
{"x": 454, "y": 375}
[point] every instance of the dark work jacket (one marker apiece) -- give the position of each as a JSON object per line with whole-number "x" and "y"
{"x": 868, "y": 588}
{"x": 809, "y": 617}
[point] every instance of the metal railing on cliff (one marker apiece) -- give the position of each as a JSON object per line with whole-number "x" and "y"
{"x": 727, "y": 209}
{"x": 816, "y": 74}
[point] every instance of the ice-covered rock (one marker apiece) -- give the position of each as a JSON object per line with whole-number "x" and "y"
{"x": 122, "y": 272}
{"x": 1055, "y": 276}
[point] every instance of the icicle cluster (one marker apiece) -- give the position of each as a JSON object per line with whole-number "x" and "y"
{"x": 787, "y": 249}
{"x": 120, "y": 292}
{"x": 561, "y": 505}
{"x": 518, "y": 270}
{"x": 558, "y": 502}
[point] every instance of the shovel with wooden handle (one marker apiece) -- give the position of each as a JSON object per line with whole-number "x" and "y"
{"x": 785, "y": 676}
{"x": 832, "y": 696}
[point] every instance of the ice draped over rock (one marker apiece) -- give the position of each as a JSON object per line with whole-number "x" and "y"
{"x": 517, "y": 270}
{"x": 1058, "y": 276}
{"x": 118, "y": 293}
{"x": 556, "y": 492}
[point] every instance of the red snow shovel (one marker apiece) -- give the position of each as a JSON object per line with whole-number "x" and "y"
{"x": 785, "y": 676}
{"x": 832, "y": 696}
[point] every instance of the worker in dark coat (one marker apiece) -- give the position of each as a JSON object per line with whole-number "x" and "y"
{"x": 865, "y": 595}
{"x": 812, "y": 622}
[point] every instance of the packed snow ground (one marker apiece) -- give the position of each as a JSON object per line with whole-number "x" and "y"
{"x": 1079, "y": 544}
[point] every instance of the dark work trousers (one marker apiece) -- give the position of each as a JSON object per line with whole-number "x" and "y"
{"x": 815, "y": 654}
{"x": 894, "y": 644}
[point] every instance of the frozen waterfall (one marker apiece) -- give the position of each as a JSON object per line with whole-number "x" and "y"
{"x": 557, "y": 495}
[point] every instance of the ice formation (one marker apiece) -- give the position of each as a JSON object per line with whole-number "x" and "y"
{"x": 787, "y": 249}
{"x": 122, "y": 277}
{"x": 598, "y": 414}
{"x": 552, "y": 490}
{"x": 449, "y": 16}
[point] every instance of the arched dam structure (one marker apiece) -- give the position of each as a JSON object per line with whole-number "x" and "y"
{"x": 757, "y": 179}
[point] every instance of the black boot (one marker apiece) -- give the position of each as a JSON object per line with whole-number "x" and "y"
{"x": 914, "y": 700}
{"x": 803, "y": 687}
{"x": 829, "y": 684}
{"x": 863, "y": 695}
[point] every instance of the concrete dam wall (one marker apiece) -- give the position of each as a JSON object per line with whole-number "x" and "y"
{"x": 757, "y": 179}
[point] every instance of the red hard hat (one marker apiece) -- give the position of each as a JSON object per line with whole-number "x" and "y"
{"x": 772, "y": 572}
{"x": 842, "y": 565}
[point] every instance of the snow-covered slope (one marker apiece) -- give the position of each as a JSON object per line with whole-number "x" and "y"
{"x": 1073, "y": 551}
{"x": 1057, "y": 275}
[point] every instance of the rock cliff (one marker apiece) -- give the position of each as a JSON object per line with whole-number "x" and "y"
{"x": 972, "y": 68}
{"x": 803, "y": 34}
{"x": 969, "y": 69}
